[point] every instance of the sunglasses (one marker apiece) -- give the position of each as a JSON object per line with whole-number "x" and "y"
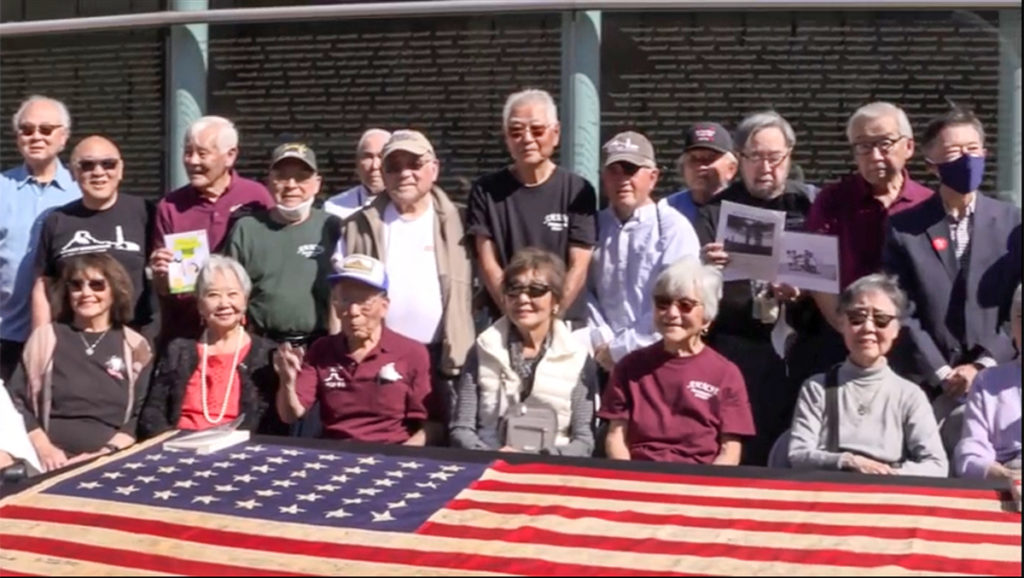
{"x": 627, "y": 169}
{"x": 685, "y": 305}
{"x": 858, "y": 317}
{"x": 87, "y": 165}
{"x": 533, "y": 290}
{"x": 28, "y": 129}
{"x": 95, "y": 285}
{"x": 535, "y": 130}
{"x": 396, "y": 166}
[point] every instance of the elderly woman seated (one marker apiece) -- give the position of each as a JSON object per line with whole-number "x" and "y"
{"x": 82, "y": 379}
{"x": 226, "y": 373}
{"x": 678, "y": 400}
{"x": 860, "y": 416}
{"x": 990, "y": 446}
{"x": 528, "y": 382}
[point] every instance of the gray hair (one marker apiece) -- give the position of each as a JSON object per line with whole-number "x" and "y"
{"x": 369, "y": 133}
{"x": 227, "y": 135}
{"x": 880, "y": 282}
{"x": 220, "y": 263}
{"x": 755, "y": 123}
{"x": 62, "y": 111}
{"x": 880, "y": 109}
{"x": 529, "y": 95}
{"x": 687, "y": 277}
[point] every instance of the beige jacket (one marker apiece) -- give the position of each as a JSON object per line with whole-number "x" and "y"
{"x": 363, "y": 234}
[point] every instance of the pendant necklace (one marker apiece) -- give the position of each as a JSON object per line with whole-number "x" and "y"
{"x": 90, "y": 349}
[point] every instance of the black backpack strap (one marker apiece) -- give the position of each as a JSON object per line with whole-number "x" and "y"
{"x": 832, "y": 408}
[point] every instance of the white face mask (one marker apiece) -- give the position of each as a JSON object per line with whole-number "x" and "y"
{"x": 296, "y": 213}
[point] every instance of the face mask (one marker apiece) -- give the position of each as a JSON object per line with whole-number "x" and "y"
{"x": 964, "y": 175}
{"x": 296, "y": 213}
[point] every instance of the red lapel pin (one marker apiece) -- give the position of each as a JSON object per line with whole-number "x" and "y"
{"x": 940, "y": 244}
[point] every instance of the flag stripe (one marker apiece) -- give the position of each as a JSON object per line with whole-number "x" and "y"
{"x": 757, "y": 546}
{"x": 366, "y": 546}
{"x": 15, "y": 563}
{"x": 789, "y": 529}
{"x": 742, "y": 501}
{"x": 726, "y": 488}
{"x": 738, "y": 482}
{"x": 153, "y": 562}
{"x": 750, "y": 511}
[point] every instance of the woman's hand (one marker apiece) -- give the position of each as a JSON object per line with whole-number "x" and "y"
{"x": 51, "y": 457}
{"x": 865, "y": 465}
{"x": 715, "y": 254}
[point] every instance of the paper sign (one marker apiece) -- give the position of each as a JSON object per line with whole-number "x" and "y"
{"x": 191, "y": 251}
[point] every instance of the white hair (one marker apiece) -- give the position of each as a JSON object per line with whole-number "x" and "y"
{"x": 759, "y": 121}
{"x": 874, "y": 283}
{"x": 370, "y": 132}
{"x": 227, "y": 135}
{"x": 224, "y": 264}
{"x": 62, "y": 111}
{"x": 876, "y": 110}
{"x": 688, "y": 277}
{"x": 526, "y": 96}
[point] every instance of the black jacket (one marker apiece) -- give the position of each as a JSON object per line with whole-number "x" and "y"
{"x": 178, "y": 363}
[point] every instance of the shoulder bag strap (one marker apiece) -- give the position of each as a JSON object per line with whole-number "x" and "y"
{"x": 832, "y": 408}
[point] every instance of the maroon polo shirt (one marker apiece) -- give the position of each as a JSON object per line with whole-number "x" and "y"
{"x": 677, "y": 408}
{"x": 363, "y": 401}
{"x": 184, "y": 210}
{"x": 849, "y": 210}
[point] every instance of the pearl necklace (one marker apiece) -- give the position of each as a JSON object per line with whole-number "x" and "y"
{"x": 231, "y": 378}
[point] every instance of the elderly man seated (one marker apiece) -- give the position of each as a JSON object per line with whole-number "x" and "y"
{"x": 373, "y": 384}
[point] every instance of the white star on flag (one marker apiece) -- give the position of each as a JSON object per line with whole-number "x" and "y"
{"x": 205, "y": 499}
{"x": 298, "y": 474}
{"x": 267, "y": 493}
{"x": 185, "y": 484}
{"x": 248, "y": 504}
{"x": 314, "y": 465}
{"x": 412, "y": 495}
{"x": 241, "y": 456}
{"x": 225, "y": 488}
{"x": 133, "y": 465}
{"x": 385, "y": 517}
{"x": 395, "y": 474}
{"x": 351, "y": 501}
{"x": 368, "y": 461}
{"x": 112, "y": 475}
{"x": 385, "y": 482}
{"x": 282, "y": 483}
{"x": 167, "y": 469}
{"x": 443, "y": 476}
{"x": 340, "y": 479}
{"x": 155, "y": 457}
{"x": 355, "y": 470}
{"x": 291, "y": 452}
{"x": 368, "y": 492}
{"x": 292, "y": 509}
{"x": 204, "y": 473}
{"x": 339, "y": 513}
{"x": 145, "y": 479}
{"x": 310, "y": 497}
{"x": 410, "y": 465}
{"x": 329, "y": 457}
{"x": 187, "y": 461}
{"x": 255, "y": 448}
{"x": 264, "y": 469}
{"x": 164, "y": 495}
{"x": 399, "y": 504}
{"x": 245, "y": 478}
{"x": 430, "y": 485}
{"x": 126, "y": 490}
{"x": 223, "y": 465}
{"x": 89, "y": 485}
{"x": 276, "y": 460}
{"x": 452, "y": 468}
{"x": 326, "y": 487}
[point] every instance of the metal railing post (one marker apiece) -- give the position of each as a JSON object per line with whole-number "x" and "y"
{"x": 186, "y": 85}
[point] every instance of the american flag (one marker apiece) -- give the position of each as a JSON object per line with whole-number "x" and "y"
{"x": 269, "y": 509}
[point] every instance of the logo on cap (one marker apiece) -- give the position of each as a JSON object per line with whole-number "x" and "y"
{"x": 623, "y": 145}
{"x": 355, "y": 263}
{"x": 297, "y": 148}
{"x": 703, "y": 134}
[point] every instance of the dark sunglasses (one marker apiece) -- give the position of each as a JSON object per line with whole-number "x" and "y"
{"x": 628, "y": 169}
{"x": 88, "y": 165}
{"x": 95, "y": 285}
{"x": 533, "y": 290}
{"x": 858, "y": 317}
{"x": 685, "y": 305}
{"x": 28, "y": 129}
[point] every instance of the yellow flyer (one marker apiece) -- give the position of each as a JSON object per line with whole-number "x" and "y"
{"x": 191, "y": 250}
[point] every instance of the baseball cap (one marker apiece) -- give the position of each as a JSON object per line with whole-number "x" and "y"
{"x": 362, "y": 268}
{"x": 294, "y": 150}
{"x": 411, "y": 141}
{"x": 708, "y": 135}
{"x": 631, "y": 147}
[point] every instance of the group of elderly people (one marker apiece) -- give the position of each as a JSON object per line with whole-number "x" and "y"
{"x": 645, "y": 384}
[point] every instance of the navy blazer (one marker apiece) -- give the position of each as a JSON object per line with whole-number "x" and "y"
{"x": 955, "y": 312}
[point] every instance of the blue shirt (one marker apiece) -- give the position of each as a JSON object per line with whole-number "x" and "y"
{"x": 682, "y": 201}
{"x": 627, "y": 260}
{"x": 24, "y": 204}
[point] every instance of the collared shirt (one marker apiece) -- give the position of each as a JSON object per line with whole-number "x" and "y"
{"x": 961, "y": 227}
{"x": 849, "y": 210}
{"x": 627, "y": 260}
{"x": 24, "y": 204}
{"x": 682, "y": 201}
{"x": 347, "y": 202}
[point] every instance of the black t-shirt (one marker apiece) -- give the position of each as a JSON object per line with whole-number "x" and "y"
{"x": 554, "y": 215}
{"x": 735, "y": 312}
{"x": 123, "y": 230}
{"x": 90, "y": 392}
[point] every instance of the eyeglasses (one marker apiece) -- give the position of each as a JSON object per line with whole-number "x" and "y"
{"x": 28, "y": 129}
{"x": 87, "y": 165}
{"x": 858, "y": 317}
{"x": 518, "y": 131}
{"x": 395, "y": 166}
{"x": 954, "y": 152}
{"x": 95, "y": 285}
{"x": 364, "y": 303}
{"x": 533, "y": 290}
{"x": 773, "y": 159}
{"x": 684, "y": 304}
{"x": 884, "y": 145}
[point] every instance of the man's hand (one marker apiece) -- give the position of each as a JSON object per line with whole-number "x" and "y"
{"x": 785, "y": 292}
{"x": 160, "y": 261}
{"x": 287, "y": 363}
{"x": 715, "y": 254}
{"x": 959, "y": 382}
{"x": 866, "y": 465}
{"x": 603, "y": 357}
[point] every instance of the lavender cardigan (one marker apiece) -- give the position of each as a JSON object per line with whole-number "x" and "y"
{"x": 991, "y": 420}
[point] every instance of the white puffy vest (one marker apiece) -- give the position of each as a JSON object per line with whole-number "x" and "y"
{"x": 557, "y": 373}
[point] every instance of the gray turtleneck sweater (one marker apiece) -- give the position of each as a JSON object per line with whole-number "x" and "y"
{"x": 896, "y": 425}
